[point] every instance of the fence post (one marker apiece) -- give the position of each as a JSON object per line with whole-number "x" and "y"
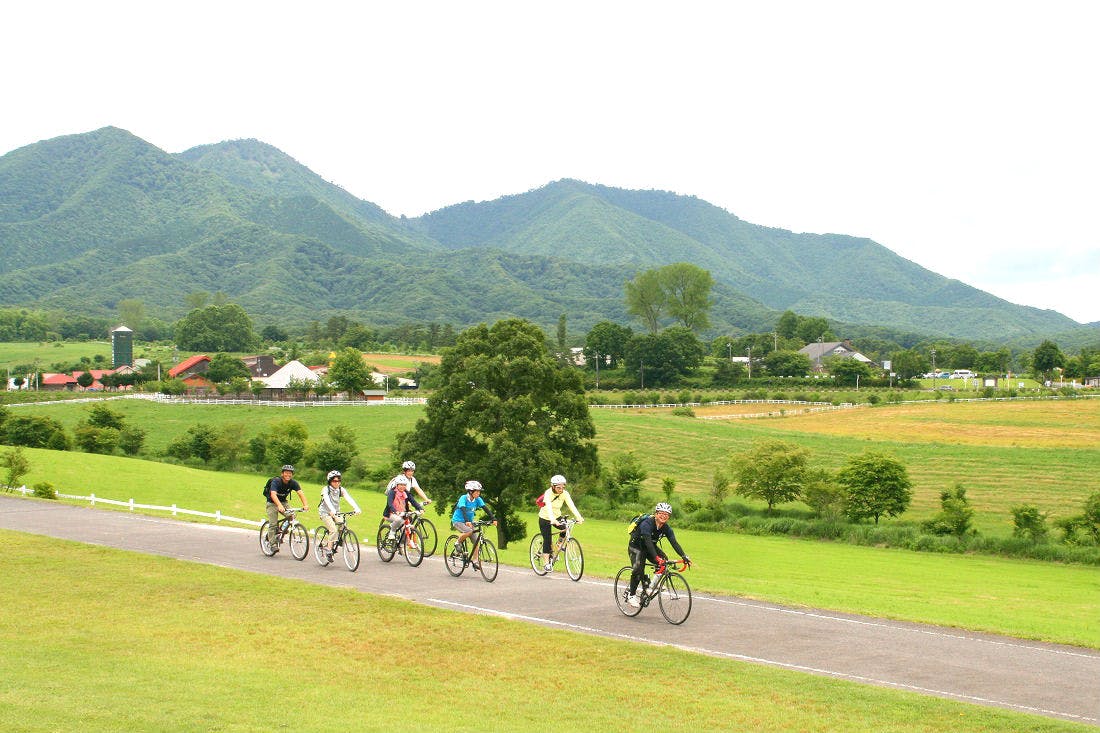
{"x": 218, "y": 515}
{"x": 92, "y": 497}
{"x": 173, "y": 510}
{"x": 131, "y": 503}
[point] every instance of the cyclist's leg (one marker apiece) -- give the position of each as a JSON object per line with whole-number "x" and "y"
{"x": 396, "y": 525}
{"x": 330, "y": 525}
{"x": 637, "y": 567}
{"x": 544, "y": 527}
{"x": 463, "y": 533}
{"x": 272, "y": 522}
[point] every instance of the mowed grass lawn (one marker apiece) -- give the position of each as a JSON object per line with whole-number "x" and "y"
{"x": 95, "y": 639}
{"x": 1023, "y": 598}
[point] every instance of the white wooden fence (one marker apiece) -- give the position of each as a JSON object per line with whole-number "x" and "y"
{"x": 132, "y": 505}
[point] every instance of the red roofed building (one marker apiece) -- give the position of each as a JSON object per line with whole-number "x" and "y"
{"x": 190, "y": 371}
{"x": 56, "y": 382}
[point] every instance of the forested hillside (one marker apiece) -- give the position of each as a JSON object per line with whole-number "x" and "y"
{"x": 87, "y": 220}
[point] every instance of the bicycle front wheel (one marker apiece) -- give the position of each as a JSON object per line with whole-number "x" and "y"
{"x": 536, "y": 555}
{"x": 487, "y": 559}
{"x": 454, "y": 555}
{"x": 386, "y": 545}
{"x": 265, "y": 544}
{"x": 414, "y": 547}
{"x": 351, "y": 550}
{"x": 674, "y": 597}
{"x": 574, "y": 559}
{"x": 427, "y": 529}
{"x": 622, "y": 592}
{"x": 299, "y": 542}
{"x": 319, "y": 553}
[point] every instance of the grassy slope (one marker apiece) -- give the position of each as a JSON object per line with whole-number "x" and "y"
{"x": 1028, "y": 599}
{"x": 182, "y": 647}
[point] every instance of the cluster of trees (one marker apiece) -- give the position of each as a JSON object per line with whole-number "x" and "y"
{"x": 102, "y": 431}
{"x": 869, "y": 486}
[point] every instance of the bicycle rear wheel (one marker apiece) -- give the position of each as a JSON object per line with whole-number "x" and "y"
{"x": 414, "y": 547}
{"x": 536, "y": 555}
{"x": 265, "y": 545}
{"x": 454, "y": 555}
{"x": 431, "y": 538}
{"x": 319, "y": 553}
{"x": 487, "y": 559}
{"x": 622, "y": 591}
{"x": 674, "y": 597}
{"x": 351, "y": 550}
{"x": 299, "y": 542}
{"x": 386, "y": 545}
{"x": 574, "y": 559}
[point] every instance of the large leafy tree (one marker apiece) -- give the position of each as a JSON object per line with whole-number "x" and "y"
{"x": 348, "y": 373}
{"x": 787, "y": 363}
{"x": 773, "y": 471}
{"x": 877, "y": 486}
{"x": 504, "y": 413}
{"x": 645, "y": 299}
{"x": 687, "y": 294}
{"x": 1046, "y": 358}
{"x": 224, "y": 367}
{"x": 216, "y": 328}
{"x": 606, "y": 340}
{"x": 908, "y": 363}
{"x": 659, "y": 359}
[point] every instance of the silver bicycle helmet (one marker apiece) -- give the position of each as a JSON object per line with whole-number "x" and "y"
{"x": 332, "y": 475}
{"x": 472, "y": 486}
{"x": 408, "y": 465}
{"x": 664, "y": 506}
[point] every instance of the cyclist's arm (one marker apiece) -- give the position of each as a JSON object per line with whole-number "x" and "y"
{"x": 275, "y": 500}
{"x": 415, "y": 504}
{"x": 389, "y": 504}
{"x": 302, "y": 498}
{"x": 351, "y": 501}
{"x": 672, "y": 541}
{"x": 573, "y": 507}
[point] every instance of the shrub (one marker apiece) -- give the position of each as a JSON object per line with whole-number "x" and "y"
{"x": 34, "y": 431}
{"x": 17, "y": 466}
{"x": 91, "y": 439}
{"x": 1028, "y": 522}
{"x": 45, "y": 490}
{"x": 683, "y": 412}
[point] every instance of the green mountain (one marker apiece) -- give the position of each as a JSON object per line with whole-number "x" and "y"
{"x": 87, "y": 220}
{"x": 845, "y": 279}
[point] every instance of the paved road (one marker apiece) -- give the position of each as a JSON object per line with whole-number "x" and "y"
{"x": 1045, "y": 679}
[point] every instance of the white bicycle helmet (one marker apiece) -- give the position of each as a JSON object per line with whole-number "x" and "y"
{"x": 408, "y": 465}
{"x": 557, "y": 480}
{"x": 664, "y": 506}
{"x": 472, "y": 486}
{"x": 400, "y": 481}
{"x": 332, "y": 475}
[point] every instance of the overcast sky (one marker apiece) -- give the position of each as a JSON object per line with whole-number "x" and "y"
{"x": 964, "y": 136}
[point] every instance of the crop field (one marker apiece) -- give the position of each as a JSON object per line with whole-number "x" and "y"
{"x": 12, "y": 354}
{"x": 398, "y": 363}
{"x": 187, "y": 647}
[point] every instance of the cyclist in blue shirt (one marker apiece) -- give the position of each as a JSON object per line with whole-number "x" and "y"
{"x": 462, "y": 519}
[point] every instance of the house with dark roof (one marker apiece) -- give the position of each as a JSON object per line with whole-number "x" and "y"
{"x": 818, "y": 351}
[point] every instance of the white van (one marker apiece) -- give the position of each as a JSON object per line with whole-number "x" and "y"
{"x": 963, "y": 374}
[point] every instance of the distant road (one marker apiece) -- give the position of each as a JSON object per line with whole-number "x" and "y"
{"x": 1044, "y": 679}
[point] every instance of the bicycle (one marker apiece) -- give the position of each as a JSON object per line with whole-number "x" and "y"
{"x": 346, "y": 540}
{"x": 288, "y": 525}
{"x": 671, "y": 590}
{"x": 566, "y": 545}
{"x": 410, "y": 542}
{"x": 427, "y": 531}
{"x": 457, "y": 556}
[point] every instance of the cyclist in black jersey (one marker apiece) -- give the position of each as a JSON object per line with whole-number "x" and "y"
{"x": 643, "y": 547}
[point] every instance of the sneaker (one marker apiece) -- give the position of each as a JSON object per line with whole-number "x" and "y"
{"x": 476, "y": 566}
{"x": 633, "y": 601}
{"x": 390, "y": 535}
{"x": 548, "y": 567}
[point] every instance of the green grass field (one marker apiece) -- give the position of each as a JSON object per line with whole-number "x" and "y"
{"x": 46, "y": 353}
{"x": 1029, "y": 599}
{"x": 95, "y": 639}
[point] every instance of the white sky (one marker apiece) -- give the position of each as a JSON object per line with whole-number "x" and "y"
{"x": 964, "y": 136}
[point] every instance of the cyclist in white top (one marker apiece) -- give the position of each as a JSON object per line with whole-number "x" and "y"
{"x": 407, "y": 470}
{"x": 550, "y": 515}
{"x": 330, "y": 506}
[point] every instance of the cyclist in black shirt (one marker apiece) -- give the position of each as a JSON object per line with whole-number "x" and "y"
{"x": 277, "y": 491}
{"x": 643, "y": 547}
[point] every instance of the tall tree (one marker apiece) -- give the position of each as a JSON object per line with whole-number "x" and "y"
{"x": 687, "y": 294}
{"x": 645, "y": 299}
{"x": 348, "y": 373}
{"x": 606, "y": 340}
{"x": 774, "y": 471}
{"x": 1046, "y": 358}
{"x": 507, "y": 414}
{"x": 216, "y": 328}
{"x": 877, "y": 485}
{"x": 224, "y": 367}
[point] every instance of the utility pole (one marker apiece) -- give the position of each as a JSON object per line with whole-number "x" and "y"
{"x": 597, "y": 370}
{"x": 750, "y": 361}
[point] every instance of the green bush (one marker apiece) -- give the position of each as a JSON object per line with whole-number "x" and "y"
{"x": 45, "y": 490}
